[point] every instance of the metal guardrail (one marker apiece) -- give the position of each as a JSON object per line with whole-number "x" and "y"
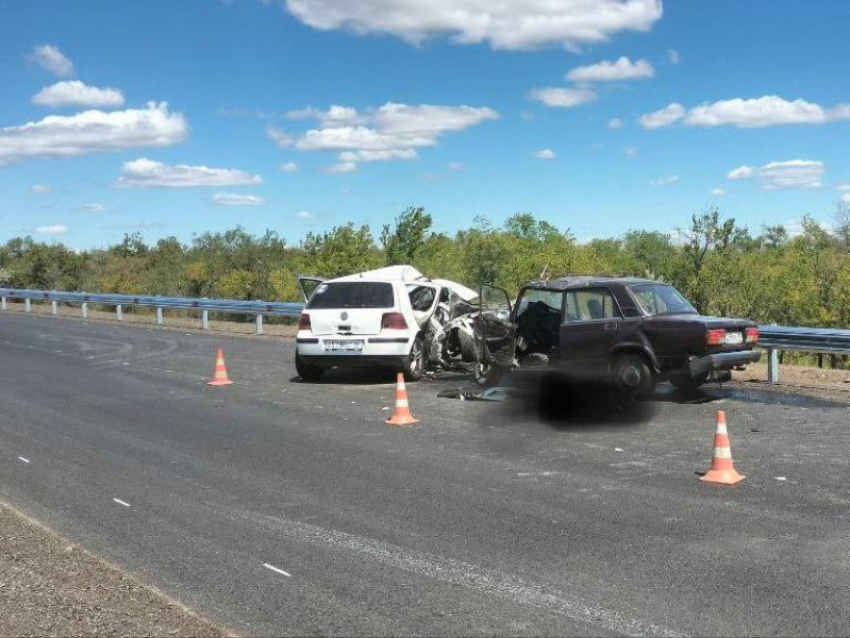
{"x": 817, "y": 340}
{"x": 204, "y": 306}
{"x": 772, "y": 338}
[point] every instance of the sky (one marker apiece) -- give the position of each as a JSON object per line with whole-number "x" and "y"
{"x": 600, "y": 116}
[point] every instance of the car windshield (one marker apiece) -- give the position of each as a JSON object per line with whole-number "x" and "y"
{"x": 353, "y": 294}
{"x": 661, "y": 299}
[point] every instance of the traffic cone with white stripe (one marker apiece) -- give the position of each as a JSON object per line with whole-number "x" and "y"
{"x": 722, "y": 468}
{"x": 401, "y": 415}
{"x": 220, "y": 377}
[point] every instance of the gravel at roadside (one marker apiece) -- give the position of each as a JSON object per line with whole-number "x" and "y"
{"x": 51, "y": 587}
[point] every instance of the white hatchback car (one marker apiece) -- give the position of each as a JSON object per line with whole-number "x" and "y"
{"x": 371, "y": 319}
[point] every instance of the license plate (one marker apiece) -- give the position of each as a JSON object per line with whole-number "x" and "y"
{"x": 344, "y": 345}
{"x": 734, "y": 338}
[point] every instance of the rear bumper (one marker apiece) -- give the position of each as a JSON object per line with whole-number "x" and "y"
{"x": 393, "y": 362}
{"x": 722, "y": 361}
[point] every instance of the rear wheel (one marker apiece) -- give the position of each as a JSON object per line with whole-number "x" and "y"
{"x": 307, "y": 371}
{"x": 414, "y": 365}
{"x": 467, "y": 346}
{"x": 633, "y": 374}
{"x": 685, "y": 382}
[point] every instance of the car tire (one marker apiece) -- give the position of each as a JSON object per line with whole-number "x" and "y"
{"x": 467, "y": 346}
{"x": 414, "y": 365}
{"x": 684, "y": 382}
{"x": 633, "y": 374}
{"x": 307, "y": 371}
{"x": 487, "y": 374}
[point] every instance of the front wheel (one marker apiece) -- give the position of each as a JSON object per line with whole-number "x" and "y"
{"x": 633, "y": 374}
{"x": 414, "y": 365}
{"x": 487, "y": 374}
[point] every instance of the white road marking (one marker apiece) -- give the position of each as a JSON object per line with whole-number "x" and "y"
{"x": 618, "y": 449}
{"x": 120, "y": 502}
{"x": 781, "y": 478}
{"x": 456, "y": 572}
{"x": 277, "y": 569}
{"x": 23, "y": 459}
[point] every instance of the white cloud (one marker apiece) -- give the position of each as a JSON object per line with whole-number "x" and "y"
{"x": 605, "y": 71}
{"x": 770, "y": 110}
{"x": 781, "y": 175}
{"x": 516, "y": 24}
{"x": 148, "y": 173}
{"x": 50, "y": 58}
{"x": 843, "y": 188}
{"x": 75, "y": 93}
{"x": 615, "y": 123}
{"x": 664, "y": 117}
{"x": 560, "y": 97}
{"x": 717, "y": 192}
{"x": 742, "y": 172}
{"x": 305, "y": 215}
{"x": 455, "y": 166}
{"x": 665, "y": 181}
{"x": 289, "y": 167}
{"x": 94, "y": 207}
{"x": 57, "y": 229}
{"x": 544, "y": 154}
{"x": 235, "y": 199}
{"x": 341, "y": 167}
{"x": 91, "y": 132}
{"x": 390, "y": 132}
{"x": 41, "y": 189}
{"x": 631, "y": 151}
{"x": 673, "y": 56}
{"x": 846, "y": 198}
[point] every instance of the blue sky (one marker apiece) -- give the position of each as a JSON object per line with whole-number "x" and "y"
{"x": 174, "y": 118}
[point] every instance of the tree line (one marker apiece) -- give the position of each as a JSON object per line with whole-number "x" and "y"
{"x": 722, "y": 267}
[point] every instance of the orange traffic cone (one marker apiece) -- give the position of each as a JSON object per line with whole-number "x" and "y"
{"x": 220, "y": 377}
{"x": 401, "y": 415}
{"x": 722, "y": 469}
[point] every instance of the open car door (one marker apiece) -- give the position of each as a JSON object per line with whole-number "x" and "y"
{"x": 308, "y": 285}
{"x": 495, "y": 335}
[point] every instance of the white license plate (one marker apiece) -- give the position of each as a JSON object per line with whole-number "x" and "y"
{"x": 734, "y": 338}
{"x": 344, "y": 345}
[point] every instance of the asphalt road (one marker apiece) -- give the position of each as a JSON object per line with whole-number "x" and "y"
{"x": 277, "y": 507}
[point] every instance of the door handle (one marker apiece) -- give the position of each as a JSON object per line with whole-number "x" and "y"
{"x": 612, "y": 326}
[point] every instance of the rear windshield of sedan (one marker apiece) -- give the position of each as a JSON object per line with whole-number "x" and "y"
{"x": 661, "y": 299}
{"x": 352, "y": 294}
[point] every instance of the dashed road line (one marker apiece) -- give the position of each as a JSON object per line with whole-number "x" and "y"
{"x": 277, "y": 570}
{"x": 120, "y": 502}
{"x": 27, "y": 461}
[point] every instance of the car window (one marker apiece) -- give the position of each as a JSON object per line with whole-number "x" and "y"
{"x": 590, "y": 305}
{"x": 421, "y": 297}
{"x": 553, "y": 299}
{"x": 352, "y": 294}
{"x": 661, "y": 299}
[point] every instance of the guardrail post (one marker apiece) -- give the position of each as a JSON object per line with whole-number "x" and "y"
{"x": 84, "y": 309}
{"x": 54, "y": 308}
{"x": 205, "y": 319}
{"x": 3, "y": 303}
{"x": 159, "y": 315}
{"x": 119, "y": 312}
{"x": 259, "y": 324}
{"x": 773, "y": 365}
{"x": 28, "y": 305}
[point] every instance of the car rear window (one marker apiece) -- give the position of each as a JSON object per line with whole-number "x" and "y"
{"x": 353, "y": 294}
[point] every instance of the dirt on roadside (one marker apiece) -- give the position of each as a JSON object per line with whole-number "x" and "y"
{"x": 49, "y": 587}
{"x": 832, "y": 385}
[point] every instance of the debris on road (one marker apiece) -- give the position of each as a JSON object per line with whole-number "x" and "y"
{"x": 475, "y": 393}
{"x": 50, "y": 587}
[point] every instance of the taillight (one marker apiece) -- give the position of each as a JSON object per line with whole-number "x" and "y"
{"x": 304, "y": 322}
{"x": 752, "y": 335}
{"x": 715, "y": 337}
{"x": 393, "y": 321}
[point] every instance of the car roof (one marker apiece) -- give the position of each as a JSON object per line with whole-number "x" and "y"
{"x": 587, "y": 281}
